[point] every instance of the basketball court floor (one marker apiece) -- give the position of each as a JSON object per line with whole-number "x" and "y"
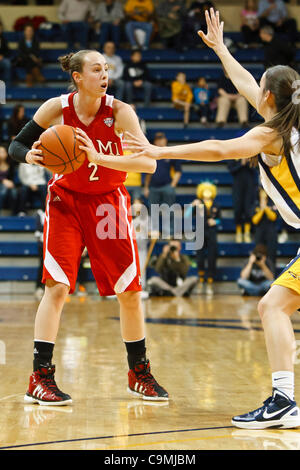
{"x": 209, "y": 354}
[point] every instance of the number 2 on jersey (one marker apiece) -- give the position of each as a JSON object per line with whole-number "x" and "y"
{"x": 94, "y": 171}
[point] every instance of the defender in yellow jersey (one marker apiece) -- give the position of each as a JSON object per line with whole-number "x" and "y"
{"x": 277, "y": 140}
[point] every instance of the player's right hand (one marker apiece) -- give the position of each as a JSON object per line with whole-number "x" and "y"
{"x": 35, "y": 155}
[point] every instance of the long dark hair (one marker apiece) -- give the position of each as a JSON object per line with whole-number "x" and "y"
{"x": 281, "y": 81}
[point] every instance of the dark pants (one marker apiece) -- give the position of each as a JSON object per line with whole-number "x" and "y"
{"x": 9, "y": 198}
{"x": 209, "y": 252}
{"x": 147, "y": 90}
{"x": 27, "y": 196}
{"x": 109, "y": 31}
{"x": 162, "y": 195}
{"x": 250, "y": 35}
{"x": 266, "y": 234}
{"x": 40, "y": 267}
{"x": 5, "y": 71}
{"x": 243, "y": 190}
{"x": 76, "y": 31}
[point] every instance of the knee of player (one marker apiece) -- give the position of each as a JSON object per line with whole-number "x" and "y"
{"x": 57, "y": 291}
{"x": 265, "y": 306}
{"x": 130, "y": 299}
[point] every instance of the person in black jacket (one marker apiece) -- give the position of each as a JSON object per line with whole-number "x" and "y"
{"x": 29, "y": 56}
{"x": 8, "y": 191}
{"x": 17, "y": 121}
{"x": 276, "y": 51}
{"x": 5, "y": 64}
{"x": 243, "y": 196}
{"x": 136, "y": 76}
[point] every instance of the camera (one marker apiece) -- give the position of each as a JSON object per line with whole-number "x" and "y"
{"x": 172, "y": 249}
{"x": 258, "y": 257}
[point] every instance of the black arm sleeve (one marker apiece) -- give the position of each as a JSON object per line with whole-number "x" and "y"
{"x": 22, "y": 143}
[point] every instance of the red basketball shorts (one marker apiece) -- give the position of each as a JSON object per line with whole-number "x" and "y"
{"x": 103, "y": 224}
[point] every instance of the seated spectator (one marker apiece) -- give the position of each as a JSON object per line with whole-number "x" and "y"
{"x": 8, "y": 191}
{"x": 169, "y": 19}
{"x": 108, "y": 17}
{"x": 172, "y": 266}
{"x": 229, "y": 97}
{"x": 202, "y": 98}
{"x": 29, "y": 57}
{"x": 258, "y": 274}
{"x": 75, "y": 16}
{"x": 34, "y": 185}
{"x": 276, "y": 51}
{"x": 182, "y": 96}
{"x": 264, "y": 220}
{"x": 136, "y": 76}
{"x": 250, "y": 23}
{"x": 160, "y": 188}
{"x": 274, "y": 13}
{"x": 5, "y": 64}
{"x": 133, "y": 181}
{"x": 17, "y": 121}
{"x": 115, "y": 70}
{"x": 139, "y": 16}
{"x": 206, "y": 193}
{"x": 194, "y": 21}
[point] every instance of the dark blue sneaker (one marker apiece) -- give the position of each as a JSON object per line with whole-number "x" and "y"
{"x": 278, "y": 411}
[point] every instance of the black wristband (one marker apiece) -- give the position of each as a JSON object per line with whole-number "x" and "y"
{"x": 22, "y": 143}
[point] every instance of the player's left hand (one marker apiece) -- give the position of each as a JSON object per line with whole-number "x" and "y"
{"x": 88, "y": 146}
{"x": 140, "y": 148}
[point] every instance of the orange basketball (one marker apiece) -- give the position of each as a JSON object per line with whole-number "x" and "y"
{"x": 61, "y": 150}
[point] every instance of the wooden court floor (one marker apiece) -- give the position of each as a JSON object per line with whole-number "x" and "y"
{"x": 209, "y": 354}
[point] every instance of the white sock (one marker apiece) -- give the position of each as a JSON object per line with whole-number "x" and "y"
{"x": 283, "y": 380}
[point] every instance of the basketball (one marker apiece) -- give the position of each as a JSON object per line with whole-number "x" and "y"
{"x": 61, "y": 151}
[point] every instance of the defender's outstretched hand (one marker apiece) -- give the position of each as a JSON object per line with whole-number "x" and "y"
{"x": 140, "y": 148}
{"x": 214, "y": 36}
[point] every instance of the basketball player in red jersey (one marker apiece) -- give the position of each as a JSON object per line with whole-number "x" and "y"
{"x": 75, "y": 205}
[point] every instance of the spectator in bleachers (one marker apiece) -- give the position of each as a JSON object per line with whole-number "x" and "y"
{"x": 34, "y": 185}
{"x": 206, "y": 194}
{"x": 228, "y": 98}
{"x": 274, "y": 13}
{"x": 133, "y": 181}
{"x": 264, "y": 221}
{"x": 194, "y": 21}
{"x": 160, "y": 188}
{"x": 8, "y": 191}
{"x": 17, "y": 121}
{"x": 172, "y": 266}
{"x": 182, "y": 96}
{"x": 136, "y": 76}
{"x": 202, "y": 98}
{"x": 258, "y": 274}
{"x": 276, "y": 51}
{"x": 115, "y": 70}
{"x": 29, "y": 56}
{"x": 75, "y": 16}
{"x": 250, "y": 22}
{"x": 108, "y": 17}
{"x": 243, "y": 196}
{"x": 139, "y": 15}
{"x": 5, "y": 63}
{"x": 169, "y": 19}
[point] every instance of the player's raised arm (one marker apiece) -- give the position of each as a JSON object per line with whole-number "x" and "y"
{"x": 244, "y": 82}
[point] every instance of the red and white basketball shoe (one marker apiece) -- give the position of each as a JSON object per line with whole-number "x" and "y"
{"x": 142, "y": 384}
{"x": 43, "y": 389}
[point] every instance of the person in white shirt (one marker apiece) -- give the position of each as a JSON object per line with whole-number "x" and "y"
{"x": 34, "y": 181}
{"x": 108, "y": 17}
{"x": 74, "y": 15}
{"x": 115, "y": 70}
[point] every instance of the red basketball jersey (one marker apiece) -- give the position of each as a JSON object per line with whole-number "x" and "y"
{"x": 92, "y": 178}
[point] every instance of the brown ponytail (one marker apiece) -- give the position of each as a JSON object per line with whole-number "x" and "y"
{"x": 280, "y": 81}
{"x": 73, "y": 62}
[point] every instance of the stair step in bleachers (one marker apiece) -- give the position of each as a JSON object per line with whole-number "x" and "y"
{"x": 225, "y": 249}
